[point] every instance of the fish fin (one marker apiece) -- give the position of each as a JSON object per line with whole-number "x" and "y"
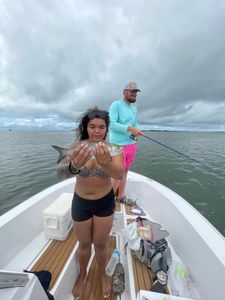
{"x": 62, "y": 153}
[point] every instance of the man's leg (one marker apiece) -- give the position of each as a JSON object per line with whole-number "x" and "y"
{"x": 122, "y": 185}
{"x": 129, "y": 152}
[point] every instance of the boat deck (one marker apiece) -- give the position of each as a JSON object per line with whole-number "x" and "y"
{"x": 58, "y": 252}
{"x": 92, "y": 287}
{"x": 55, "y": 257}
{"x": 143, "y": 276}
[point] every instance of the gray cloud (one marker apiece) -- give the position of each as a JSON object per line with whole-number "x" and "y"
{"x": 59, "y": 58}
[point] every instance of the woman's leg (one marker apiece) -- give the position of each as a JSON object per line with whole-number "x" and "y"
{"x": 101, "y": 229}
{"x": 83, "y": 231}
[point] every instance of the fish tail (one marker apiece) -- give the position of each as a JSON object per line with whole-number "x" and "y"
{"x": 62, "y": 153}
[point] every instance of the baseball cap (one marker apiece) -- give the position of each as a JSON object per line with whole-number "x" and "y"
{"x": 132, "y": 86}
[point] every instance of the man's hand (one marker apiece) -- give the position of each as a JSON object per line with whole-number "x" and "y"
{"x": 135, "y": 131}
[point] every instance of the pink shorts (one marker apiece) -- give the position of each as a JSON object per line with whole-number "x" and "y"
{"x": 129, "y": 152}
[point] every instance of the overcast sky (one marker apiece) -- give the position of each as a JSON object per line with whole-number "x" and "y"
{"x": 58, "y": 58}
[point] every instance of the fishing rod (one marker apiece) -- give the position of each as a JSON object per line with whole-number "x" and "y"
{"x": 180, "y": 153}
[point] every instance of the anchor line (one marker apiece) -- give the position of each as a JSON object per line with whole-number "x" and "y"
{"x": 184, "y": 155}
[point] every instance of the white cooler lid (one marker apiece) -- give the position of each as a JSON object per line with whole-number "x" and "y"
{"x": 60, "y": 206}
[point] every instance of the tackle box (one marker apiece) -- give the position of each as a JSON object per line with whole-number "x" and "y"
{"x": 57, "y": 217}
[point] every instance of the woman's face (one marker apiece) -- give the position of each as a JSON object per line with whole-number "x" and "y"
{"x": 96, "y": 129}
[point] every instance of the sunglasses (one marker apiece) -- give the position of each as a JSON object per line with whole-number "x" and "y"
{"x": 99, "y": 114}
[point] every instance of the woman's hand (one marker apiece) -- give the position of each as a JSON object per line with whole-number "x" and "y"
{"x": 112, "y": 165}
{"x": 102, "y": 154}
{"x": 81, "y": 155}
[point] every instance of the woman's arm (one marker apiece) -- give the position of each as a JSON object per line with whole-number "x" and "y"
{"x": 63, "y": 170}
{"x": 115, "y": 168}
{"x": 71, "y": 165}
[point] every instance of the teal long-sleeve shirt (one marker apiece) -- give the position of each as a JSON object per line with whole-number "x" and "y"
{"x": 122, "y": 114}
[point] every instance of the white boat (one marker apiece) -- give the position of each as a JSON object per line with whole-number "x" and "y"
{"x": 194, "y": 242}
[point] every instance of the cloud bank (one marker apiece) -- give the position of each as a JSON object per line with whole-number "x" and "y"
{"x": 57, "y": 59}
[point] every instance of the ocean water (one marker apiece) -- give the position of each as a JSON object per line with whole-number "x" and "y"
{"x": 28, "y": 164}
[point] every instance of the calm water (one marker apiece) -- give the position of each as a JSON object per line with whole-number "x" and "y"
{"x": 28, "y": 165}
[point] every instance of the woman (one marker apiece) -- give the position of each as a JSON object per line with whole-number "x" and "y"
{"x": 93, "y": 203}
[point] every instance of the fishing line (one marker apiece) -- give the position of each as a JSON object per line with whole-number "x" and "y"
{"x": 186, "y": 156}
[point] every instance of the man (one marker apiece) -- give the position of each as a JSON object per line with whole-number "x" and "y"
{"x": 123, "y": 126}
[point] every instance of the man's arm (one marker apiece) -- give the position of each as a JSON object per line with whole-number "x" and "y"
{"x": 134, "y": 129}
{"x": 114, "y": 115}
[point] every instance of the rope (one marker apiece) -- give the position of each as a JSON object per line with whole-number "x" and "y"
{"x": 186, "y": 156}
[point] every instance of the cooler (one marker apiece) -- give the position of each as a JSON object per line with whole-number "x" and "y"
{"x": 57, "y": 217}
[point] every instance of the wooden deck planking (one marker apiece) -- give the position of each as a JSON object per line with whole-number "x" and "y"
{"x": 147, "y": 277}
{"x": 142, "y": 276}
{"x": 55, "y": 256}
{"x": 118, "y": 206}
{"x": 64, "y": 256}
{"x": 92, "y": 286}
{"x": 136, "y": 283}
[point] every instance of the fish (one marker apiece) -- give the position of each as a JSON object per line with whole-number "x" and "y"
{"x": 64, "y": 152}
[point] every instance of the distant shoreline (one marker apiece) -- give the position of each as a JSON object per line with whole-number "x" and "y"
{"x": 145, "y": 130}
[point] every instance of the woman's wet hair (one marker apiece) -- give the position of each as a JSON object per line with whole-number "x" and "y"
{"x": 90, "y": 114}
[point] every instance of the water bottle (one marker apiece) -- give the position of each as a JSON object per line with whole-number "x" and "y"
{"x": 113, "y": 261}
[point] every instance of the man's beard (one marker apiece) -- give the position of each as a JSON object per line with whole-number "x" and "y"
{"x": 131, "y": 100}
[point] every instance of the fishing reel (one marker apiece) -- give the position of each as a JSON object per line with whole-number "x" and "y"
{"x": 135, "y": 138}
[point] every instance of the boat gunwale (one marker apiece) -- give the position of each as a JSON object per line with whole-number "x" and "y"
{"x": 207, "y": 232}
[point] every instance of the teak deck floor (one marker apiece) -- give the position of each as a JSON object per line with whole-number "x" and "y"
{"x": 92, "y": 286}
{"x": 118, "y": 206}
{"x": 55, "y": 256}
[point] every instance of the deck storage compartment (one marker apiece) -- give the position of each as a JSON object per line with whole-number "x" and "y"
{"x": 57, "y": 217}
